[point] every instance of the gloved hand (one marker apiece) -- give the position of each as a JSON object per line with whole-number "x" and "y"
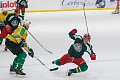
{"x": 31, "y": 53}
{"x": 26, "y": 6}
{"x": 93, "y": 56}
{"x": 74, "y": 31}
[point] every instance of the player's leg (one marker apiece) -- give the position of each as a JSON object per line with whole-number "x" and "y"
{"x": 117, "y": 8}
{"x": 19, "y": 59}
{"x": 63, "y": 60}
{"x": 82, "y": 66}
{"x": 23, "y": 12}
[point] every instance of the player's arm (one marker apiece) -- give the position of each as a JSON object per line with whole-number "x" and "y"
{"x": 91, "y": 52}
{"x": 17, "y": 2}
{"x": 7, "y": 19}
{"x": 72, "y": 33}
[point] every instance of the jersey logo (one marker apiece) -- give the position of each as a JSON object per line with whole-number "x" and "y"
{"x": 23, "y": 3}
{"x": 14, "y": 23}
{"x": 77, "y": 47}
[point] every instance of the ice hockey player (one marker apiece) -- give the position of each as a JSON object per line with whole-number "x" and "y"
{"x": 3, "y": 16}
{"x": 14, "y": 43}
{"x": 117, "y": 8}
{"x": 11, "y": 23}
{"x": 22, "y": 5}
{"x": 75, "y": 53}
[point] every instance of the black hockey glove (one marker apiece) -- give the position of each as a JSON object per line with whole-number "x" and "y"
{"x": 31, "y": 53}
{"x": 26, "y": 6}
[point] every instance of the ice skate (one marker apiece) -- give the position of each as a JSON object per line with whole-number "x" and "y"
{"x": 19, "y": 72}
{"x": 12, "y": 70}
{"x": 116, "y": 12}
{"x": 69, "y": 72}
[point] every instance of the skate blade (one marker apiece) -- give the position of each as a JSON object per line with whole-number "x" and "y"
{"x": 18, "y": 75}
{"x": 12, "y": 72}
{"x": 67, "y": 72}
{"x": 115, "y": 13}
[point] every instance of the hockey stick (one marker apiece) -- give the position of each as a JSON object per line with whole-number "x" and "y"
{"x": 85, "y": 17}
{"x": 39, "y": 43}
{"x": 53, "y": 69}
{"x": 86, "y": 21}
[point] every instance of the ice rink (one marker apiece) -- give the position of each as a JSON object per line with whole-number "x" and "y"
{"x": 51, "y": 30}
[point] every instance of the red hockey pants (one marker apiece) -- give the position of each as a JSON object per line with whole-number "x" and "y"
{"x": 5, "y": 31}
{"x": 68, "y": 59}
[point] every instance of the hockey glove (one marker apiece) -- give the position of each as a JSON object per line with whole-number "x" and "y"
{"x": 74, "y": 31}
{"x": 8, "y": 28}
{"x": 93, "y": 57}
{"x": 31, "y": 53}
{"x": 26, "y": 6}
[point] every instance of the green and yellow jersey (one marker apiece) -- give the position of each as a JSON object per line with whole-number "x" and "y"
{"x": 19, "y": 35}
{"x": 3, "y": 17}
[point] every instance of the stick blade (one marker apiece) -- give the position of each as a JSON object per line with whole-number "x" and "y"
{"x": 54, "y": 69}
{"x": 50, "y": 52}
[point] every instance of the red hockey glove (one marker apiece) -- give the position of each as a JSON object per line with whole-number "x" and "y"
{"x": 74, "y": 31}
{"x": 8, "y": 28}
{"x": 93, "y": 57}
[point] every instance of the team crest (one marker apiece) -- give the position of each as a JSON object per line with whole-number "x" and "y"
{"x": 14, "y": 22}
{"x": 23, "y": 3}
{"x": 77, "y": 47}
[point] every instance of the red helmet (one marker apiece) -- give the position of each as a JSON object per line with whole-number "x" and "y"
{"x": 17, "y": 10}
{"x": 87, "y": 36}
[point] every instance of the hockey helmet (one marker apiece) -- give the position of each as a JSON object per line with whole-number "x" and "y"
{"x": 17, "y": 10}
{"x": 87, "y": 36}
{"x": 26, "y": 23}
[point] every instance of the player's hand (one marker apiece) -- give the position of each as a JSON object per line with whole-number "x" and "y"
{"x": 93, "y": 57}
{"x": 74, "y": 31}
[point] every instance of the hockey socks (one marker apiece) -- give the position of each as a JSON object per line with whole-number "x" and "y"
{"x": 57, "y": 62}
{"x": 19, "y": 60}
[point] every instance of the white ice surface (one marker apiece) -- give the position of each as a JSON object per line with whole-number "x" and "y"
{"x": 51, "y": 30}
